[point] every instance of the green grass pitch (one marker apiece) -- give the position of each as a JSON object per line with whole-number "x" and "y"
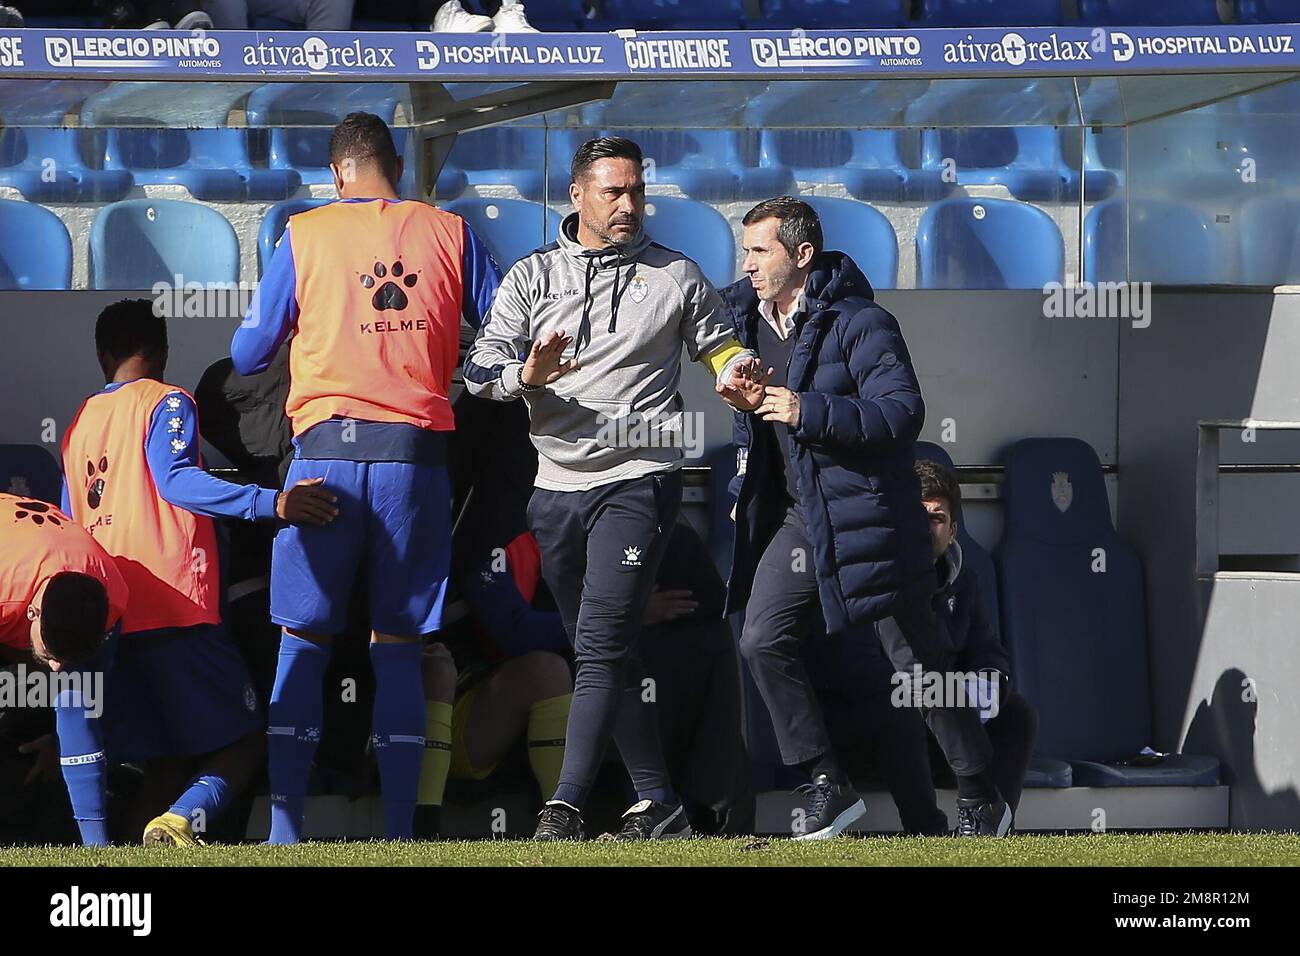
{"x": 1169, "y": 849}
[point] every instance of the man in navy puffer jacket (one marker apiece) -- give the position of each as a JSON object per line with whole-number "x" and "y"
{"x": 828, "y": 512}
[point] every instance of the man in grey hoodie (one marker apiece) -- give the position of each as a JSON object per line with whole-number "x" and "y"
{"x": 588, "y": 331}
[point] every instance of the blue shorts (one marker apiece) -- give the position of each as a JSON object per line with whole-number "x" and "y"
{"x": 177, "y": 692}
{"x": 394, "y": 521}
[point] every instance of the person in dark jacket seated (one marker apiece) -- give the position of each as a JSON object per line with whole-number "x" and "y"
{"x": 880, "y": 742}
{"x": 1011, "y": 721}
{"x": 828, "y": 516}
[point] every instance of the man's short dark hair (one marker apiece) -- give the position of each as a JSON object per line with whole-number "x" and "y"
{"x": 606, "y": 147}
{"x": 74, "y": 611}
{"x": 364, "y": 137}
{"x": 938, "y": 482}
{"x": 797, "y": 222}
{"x": 130, "y": 327}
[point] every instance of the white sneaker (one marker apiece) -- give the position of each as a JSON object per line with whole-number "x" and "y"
{"x": 198, "y": 20}
{"x": 510, "y": 19}
{"x": 452, "y": 18}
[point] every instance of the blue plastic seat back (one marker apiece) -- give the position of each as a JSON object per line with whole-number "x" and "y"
{"x": 816, "y": 149}
{"x": 832, "y": 14}
{"x": 511, "y": 228}
{"x": 1267, "y": 11}
{"x": 990, "y": 147}
{"x": 139, "y": 242}
{"x": 1269, "y": 242}
{"x": 974, "y": 13}
{"x": 273, "y": 223}
{"x": 671, "y": 14}
{"x": 1163, "y": 242}
{"x": 987, "y": 244}
{"x": 35, "y": 248}
{"x": 553, "y": 16}
{"x": 170, "y": 148}
{"x": 1152, "y": 12}
{"x": 974, "y": 555}
{"x": 1073, "y": 611}
{"x": 30, "y": 471}
{"x": 864, "y": 233}
{"x": 499, "y": 148}
{"x": 697, "y": 230}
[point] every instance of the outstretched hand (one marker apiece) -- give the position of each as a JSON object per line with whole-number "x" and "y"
{"x": 745, "y": 389}
{"x": 545, "y": 360}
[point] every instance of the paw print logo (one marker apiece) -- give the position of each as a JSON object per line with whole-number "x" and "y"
{"x": 390, "y": 294}
{"x": 38, "y": 512}
{"x": 311, "y": 734}
{"x": 632, "y": 557}
{"x": 95, "y": 481}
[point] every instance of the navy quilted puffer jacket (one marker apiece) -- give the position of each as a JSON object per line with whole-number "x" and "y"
{"x": 853, "y": 451}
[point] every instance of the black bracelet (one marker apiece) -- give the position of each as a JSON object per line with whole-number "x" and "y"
{"x": 524, "y": 386}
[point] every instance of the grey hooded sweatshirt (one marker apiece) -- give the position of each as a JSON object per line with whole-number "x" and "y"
{"x": 629, "y": 309}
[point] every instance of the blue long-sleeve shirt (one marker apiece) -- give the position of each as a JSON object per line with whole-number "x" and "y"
{"x": 172, "y": 452}
{"x": 514, "y": 626}
{"x": 274, "y": 311}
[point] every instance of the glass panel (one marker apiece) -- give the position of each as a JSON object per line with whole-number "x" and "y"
{"x": 962, "y": 183}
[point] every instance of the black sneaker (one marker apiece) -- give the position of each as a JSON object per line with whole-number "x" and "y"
{"x": 11, "y": 18}
{"x": 652, "y": 820}
{"x": 558, "y": 821}
{"x": 983, "y": 818}
{"x": 428, "y": 821}
{"x": 829, "y": 810}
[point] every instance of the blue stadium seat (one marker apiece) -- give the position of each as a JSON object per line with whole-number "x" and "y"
{"x": 1269, "y": 238}
{"x": 1171, "y": 245}
{"x": 23, "y": 166}
{"x": 516, "y": 156}
{"x": 31, "y": 131}
{"x": 35, "y": 249}
{"x": 832, "y": 14}
{"x": 1025, "y": 159}
{"x": 1102, "y": 166}
{"x": 974, "y": 555}
{"x": 866, "y": 162}
{"x": 1077, "y": 633}
{"x": 511, "y": 228}
{"x": 1046, "y": 773}
{"x": 864, "y": 233}
{"x": 301, "y": 116}
{"x": 979, "y": 13}
{"x": 273, "y": 223}
{"x": 697, "y": 230}
{"x": 670, "y": 15}
{"x": 138, "y": 242}
{"x": 705, "y": 164}
{"x": 30, "y": 471}
{"x": 987, "y": 244}
{"x": 213, "y": 164}
{"x": 1146, "y": 12}
{"x": 1268, "y": 11}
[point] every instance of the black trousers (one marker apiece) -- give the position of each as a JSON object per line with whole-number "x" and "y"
{"x": 600, "y": 555}
{"x": 782, "y": 608}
